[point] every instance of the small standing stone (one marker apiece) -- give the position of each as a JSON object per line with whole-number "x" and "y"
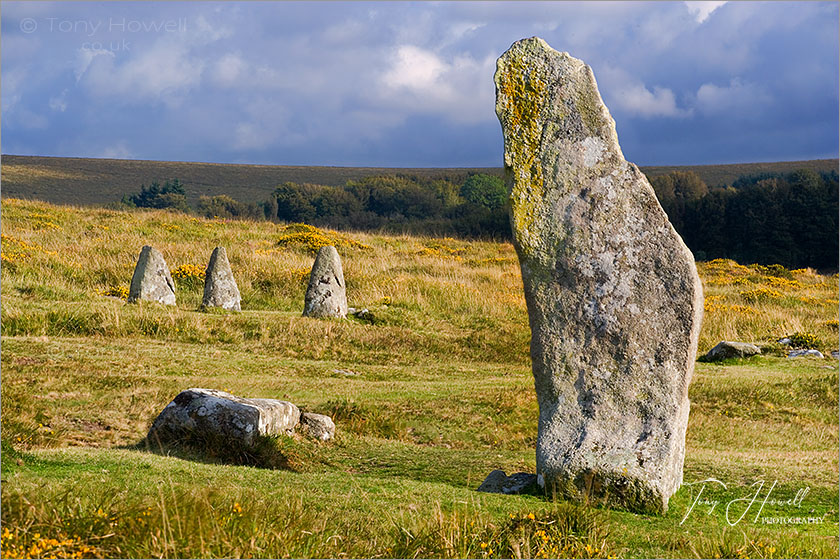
{"x": 326, "y": 295}
{"x": 152, "y": 280}
{"x": 220, "y": 288}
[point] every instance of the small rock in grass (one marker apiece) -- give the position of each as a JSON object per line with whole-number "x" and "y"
{"x": 497, "y": 482}
{"x": 494, "y": 482}
{"x": 318, "y": 426}
{"x": 804, "y": 353}
{"x": 726, "y": 350}
{"x": 835, "y": 354}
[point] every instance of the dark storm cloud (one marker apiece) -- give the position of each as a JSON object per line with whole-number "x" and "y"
{"x": 408, "y": 84}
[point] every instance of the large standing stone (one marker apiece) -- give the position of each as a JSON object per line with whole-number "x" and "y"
{"x": 614, "y": 299}
{"x": 326, "y": 295}
{"x": 152, "y": 280}
{"x": 219, "y": 284}
{"x": 215, "y": 415}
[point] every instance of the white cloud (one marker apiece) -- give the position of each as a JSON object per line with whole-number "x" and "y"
{"x": 414, "y": 68}
{"x": 419, "y": 80}
{"x": 160, "y": 72}
{"x": 639, "y": 100}
{"x": 117, "y": 151}
{"x": 737, "y": 98}
{"x": 228, "y": 70}
{"x": 59, "y": 102}
{"x": 84, "y": 58}
{"x": 701, "y": 10}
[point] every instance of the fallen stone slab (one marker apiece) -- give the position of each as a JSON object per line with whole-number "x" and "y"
{"x": 603, "y": 269}
{"x": 216, "y": 415}
{"x": 151, "y": 280}
{"x": 725, "y": 350}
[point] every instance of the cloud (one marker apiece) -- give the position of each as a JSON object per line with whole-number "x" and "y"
{"x": 414, "y": 69}
{"x": 738, "y": 97}
{"x": 119, "y": 150}
{"x": 458, "y": 87}
{"x": 701, "y": 10}
{"x": 159, "y": 73}
{"x": 59, "y": 102}
{"x": 638, "y": 100}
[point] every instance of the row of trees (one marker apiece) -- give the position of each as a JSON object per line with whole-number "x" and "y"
{"x": 789, "y": 219}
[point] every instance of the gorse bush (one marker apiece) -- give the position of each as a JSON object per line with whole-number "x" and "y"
{"x": 804, "y": 340}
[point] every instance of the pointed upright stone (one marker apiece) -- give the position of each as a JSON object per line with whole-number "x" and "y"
{"x": 220, "y": 288}
{"x": 614, "y": 299}
{"x": 152, "y": 280}
{"x": 326, "y": 295}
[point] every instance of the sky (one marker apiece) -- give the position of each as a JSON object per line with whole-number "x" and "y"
{"x": 408, "y": 84}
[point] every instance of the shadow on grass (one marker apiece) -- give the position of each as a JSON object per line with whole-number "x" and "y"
{"x": 265, "y": 452}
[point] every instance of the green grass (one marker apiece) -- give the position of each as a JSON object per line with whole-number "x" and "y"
{"x": 428, "y": 399}
{"x": 89, "y": 181}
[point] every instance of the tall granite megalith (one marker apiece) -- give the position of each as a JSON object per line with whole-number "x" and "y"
{"x": 614, "y": 299}
{"x": 220, "y": 289}
{"x": 326, "y": 295}
{"x": 151, "y": 280}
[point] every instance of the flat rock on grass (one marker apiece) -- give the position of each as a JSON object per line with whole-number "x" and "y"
{"x": 208, "y": 414}
{"x": 614, "y": 299}
{"x": 220, "y": 288}
{"x": 151, "y": 280}
{"x": 725, "y": 350}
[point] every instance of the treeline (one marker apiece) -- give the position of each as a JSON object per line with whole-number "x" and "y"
{"x": 789, "y": 219}
{"x": 473, "y": 208}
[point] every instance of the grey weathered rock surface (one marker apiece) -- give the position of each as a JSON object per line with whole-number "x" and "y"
{"x": 497, "y": 482}
{"x": 494, "y": 482}
{"x": 326, "y": 295}
{"x": 725, "y": 350}
{"x": 604, "y": 270}
{"x": 208, "y": 413}
{"x": 805, "y": 353}
{"x": 318, "y": 426}
{"x": 151, "y": 280}
{"x": 220, "y": 288}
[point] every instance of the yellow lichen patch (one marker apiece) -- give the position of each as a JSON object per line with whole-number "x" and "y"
{"x": 522, "y": 93}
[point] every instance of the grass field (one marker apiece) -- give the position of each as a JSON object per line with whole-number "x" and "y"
{"x": 429, "y": 396}
{"x": 92, "y": 181}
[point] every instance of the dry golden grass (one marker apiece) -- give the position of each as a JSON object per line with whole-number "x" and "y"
{"x": 430, "y": 395}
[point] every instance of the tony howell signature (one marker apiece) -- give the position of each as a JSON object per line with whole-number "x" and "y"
{"x": 754, "y": 501}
